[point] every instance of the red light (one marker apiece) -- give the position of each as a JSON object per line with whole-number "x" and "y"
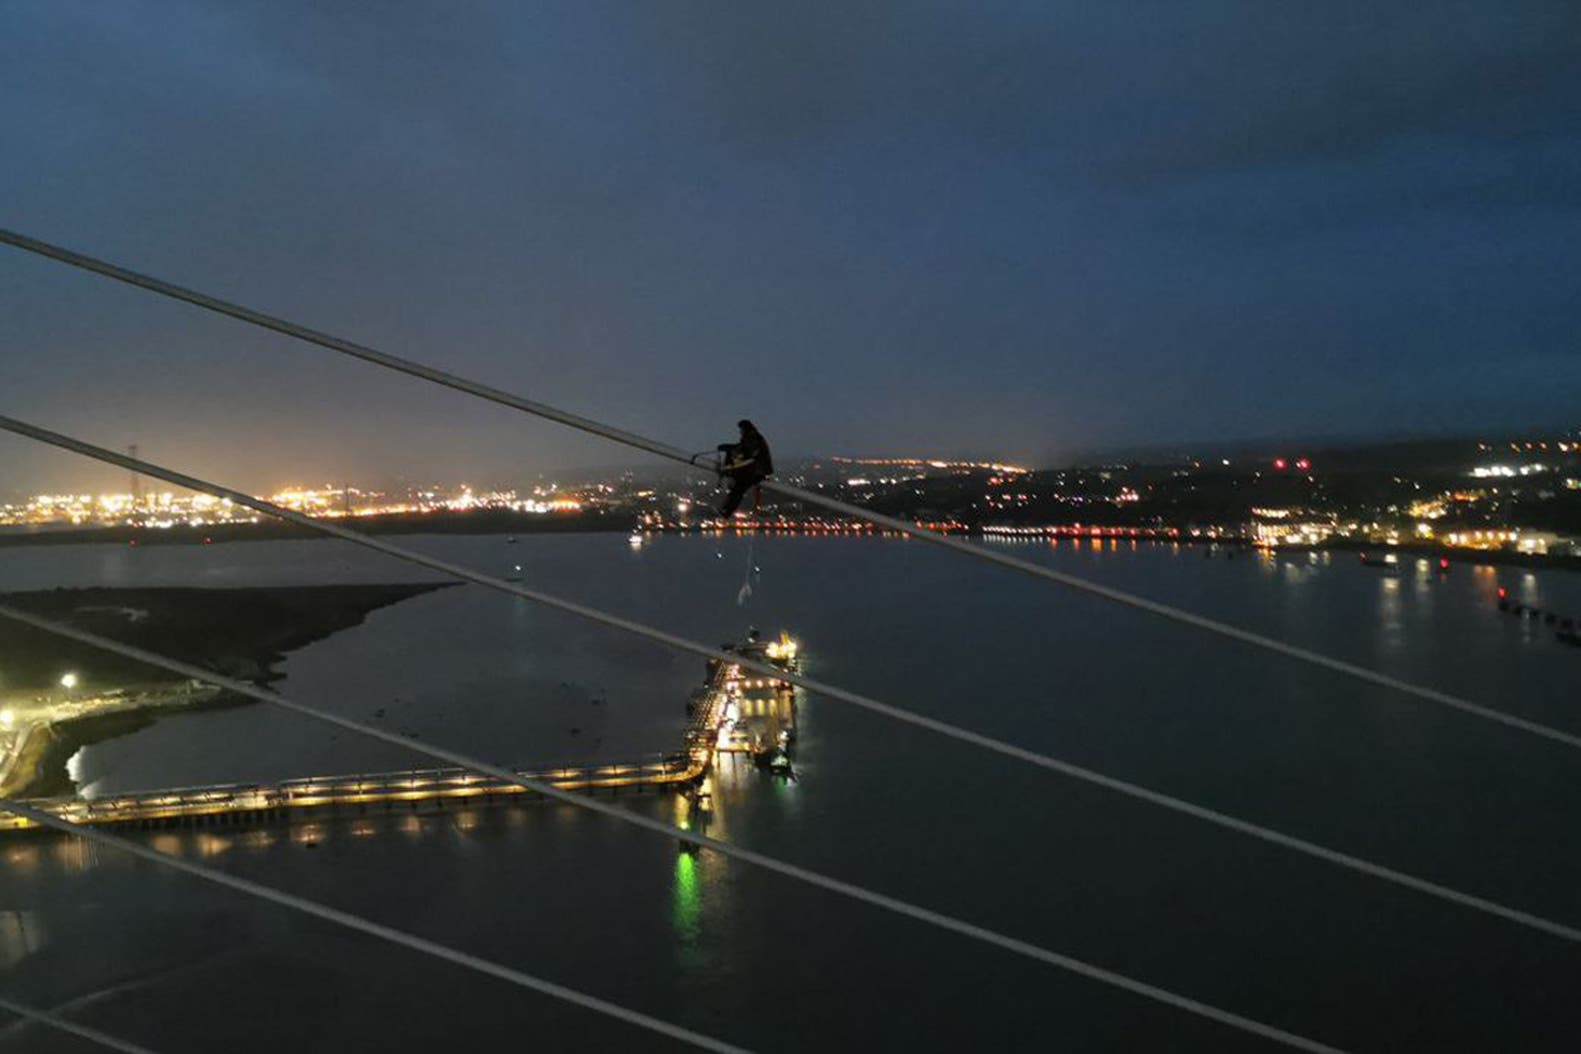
{"x": 1504, "y": 594}
{"x": 1443, "y": 563}
{"x": 1303, "y": 464}
{"x": 1279, "y": 463}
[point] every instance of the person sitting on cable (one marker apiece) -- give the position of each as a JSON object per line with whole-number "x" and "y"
{"x": 746, "y": 464}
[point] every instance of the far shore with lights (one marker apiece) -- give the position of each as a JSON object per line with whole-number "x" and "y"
{"x": 1488, "y": 500}
{"x": 1271, "y": 530}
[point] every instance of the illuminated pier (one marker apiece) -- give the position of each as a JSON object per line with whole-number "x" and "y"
{"x": 715, "y": 717}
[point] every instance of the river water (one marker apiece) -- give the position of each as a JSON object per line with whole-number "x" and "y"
{"x": 717, "y": 945}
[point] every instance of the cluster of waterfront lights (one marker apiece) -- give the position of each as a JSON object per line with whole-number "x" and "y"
{"x": 1078, "y": 531}
{"x": 785, "y": 525}
{"x": 1483, "y": 539}
{"x": 167, "y": 509}
{"x": 1285, "y": 532}
{"x": 331, "y": 502}
{"x": 1508, "y": 471}
{"x": 106, "y": 510}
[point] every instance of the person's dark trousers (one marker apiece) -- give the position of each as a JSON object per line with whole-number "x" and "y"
{"x": 739, "y": 485}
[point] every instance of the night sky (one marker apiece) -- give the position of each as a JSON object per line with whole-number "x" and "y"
{"x": 1019, "y": 230}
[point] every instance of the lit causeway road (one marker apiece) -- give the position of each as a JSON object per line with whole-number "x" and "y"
{"x": 26, "y": 720}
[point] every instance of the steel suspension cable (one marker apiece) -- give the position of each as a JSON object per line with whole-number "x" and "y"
{"x": 65, "y": 1024}
{"x": 547, "y": 789}
{"x": 374, "y": 929}
{"x": 665, "y": 450}
{"x": 1069, "y": 769}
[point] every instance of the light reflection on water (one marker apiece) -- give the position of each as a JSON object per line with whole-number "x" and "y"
{"x": 1391, "y": 614}
{"x": 22, "y": 933}
{"x": 688, "y": 900}
{"x": 714, "y": 943}
{"x": 22, "y": 859}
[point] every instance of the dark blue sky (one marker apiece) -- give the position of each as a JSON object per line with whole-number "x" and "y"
{"x": 1009, "y": 229}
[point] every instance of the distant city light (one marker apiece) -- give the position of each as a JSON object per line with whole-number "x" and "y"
{"x": 916, "y": 462}
{"x": 168, "y": 510}
{"x": 1507, "y": 471}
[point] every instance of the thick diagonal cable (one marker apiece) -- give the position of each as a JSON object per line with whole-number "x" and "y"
{"x": 965, "y": 735}
{"x": 373, "y": 929}
{"x": 65, "y": 1024}
{"x": 665, "y": 450}
{"x": 549, "y": 790}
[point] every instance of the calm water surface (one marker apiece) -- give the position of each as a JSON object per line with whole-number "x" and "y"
{"x": 753, "y": 958}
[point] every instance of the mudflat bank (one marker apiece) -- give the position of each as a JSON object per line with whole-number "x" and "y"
{"x": 240, "y": 632}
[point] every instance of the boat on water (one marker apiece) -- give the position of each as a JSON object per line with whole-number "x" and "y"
{"x": 772, "y": 753}
{"x": 765, "y": 750}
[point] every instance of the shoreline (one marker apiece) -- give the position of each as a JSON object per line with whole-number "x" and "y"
{"x": 507, "y": 523}
{"x": 489, "y": 521}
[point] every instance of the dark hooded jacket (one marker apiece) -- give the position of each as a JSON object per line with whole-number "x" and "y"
{"x": 750, "y": 457}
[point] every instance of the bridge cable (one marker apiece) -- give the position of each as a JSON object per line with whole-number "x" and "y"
{"x": 1065, "y": 768}
{"x": 65, "y": 1024}
{"x": 549, "y": 790}
{"x": 653, "y": 446}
